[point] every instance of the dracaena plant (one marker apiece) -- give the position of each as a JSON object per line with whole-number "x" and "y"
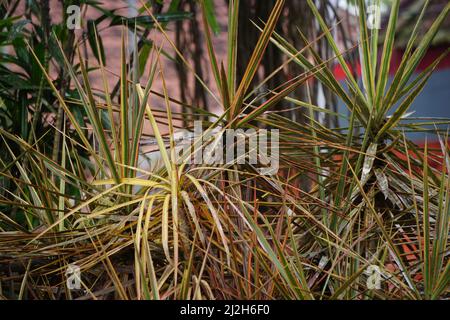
{"x": 344, "y": 199}
{"x": 380, "y": 191}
